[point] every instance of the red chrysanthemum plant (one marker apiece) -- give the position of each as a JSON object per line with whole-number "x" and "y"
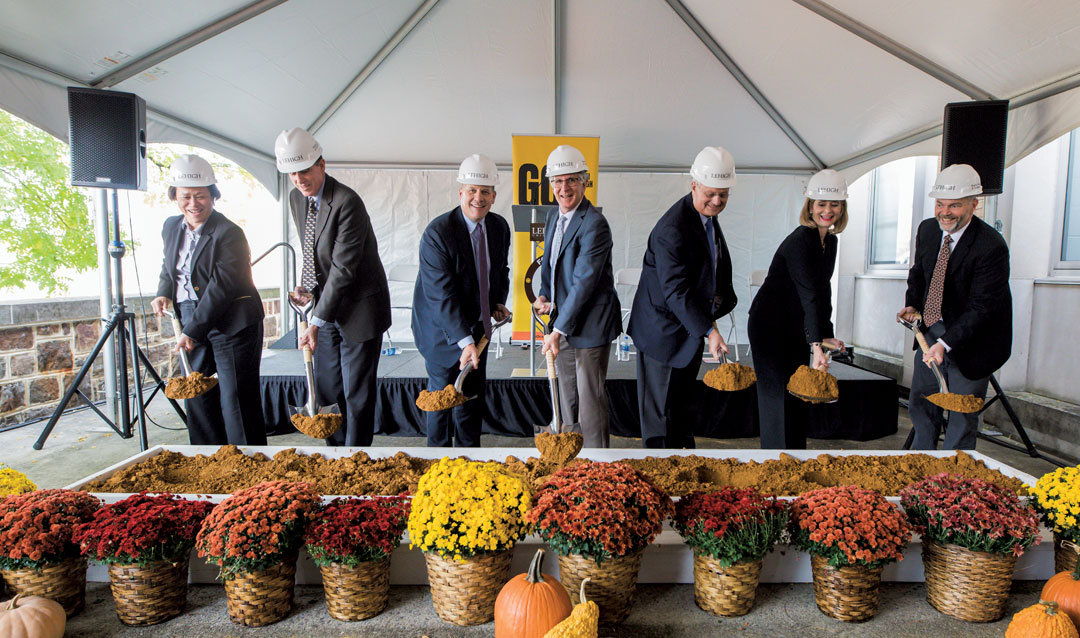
{"x": 732, "y": 525}
{"x": 349, "y": 531}
{"x": 257, "y": 527}
{"x": 36, "y": 528}
{"x": 849, "y": 525}
{"x": 599, "y": 511}
{"x": 972, "y": 513}
{"x": 142, "y": 529}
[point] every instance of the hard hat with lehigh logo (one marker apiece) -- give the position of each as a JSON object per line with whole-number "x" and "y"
{"x": 714, "y": 167}
{"x": 956, "y": 182}
{"x": 566, "y": 160}
{"x": 192, "y": 171}
{"x": 478, "y": 169}
{"x": 827, "y": 185}
{"x": 296, "y": 150}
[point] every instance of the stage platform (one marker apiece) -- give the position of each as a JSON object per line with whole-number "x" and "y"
{"x": 518, "y": 405}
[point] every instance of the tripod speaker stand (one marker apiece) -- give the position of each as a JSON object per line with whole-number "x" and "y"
{"x": 122, "y": 323}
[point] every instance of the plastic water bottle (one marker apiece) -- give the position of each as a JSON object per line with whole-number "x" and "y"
{"x": 624, "y": 348}
{"x": 389, "y": 352}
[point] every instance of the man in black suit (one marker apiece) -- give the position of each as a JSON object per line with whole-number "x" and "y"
{"x": 577, "y": 292}
{"x": 206, "y": 278}
{"x": 341, "y": 268}
{"x": 462, "y": 285}
{"x": 959, "y": 282}
{"x": 685, "y": 286}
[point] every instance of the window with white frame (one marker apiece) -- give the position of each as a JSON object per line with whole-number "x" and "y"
{"x": 1070, "y": 229}
{"x": 898, "y": 202}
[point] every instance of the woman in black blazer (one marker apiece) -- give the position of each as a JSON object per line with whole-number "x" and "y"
{"x": 790, "y": 316}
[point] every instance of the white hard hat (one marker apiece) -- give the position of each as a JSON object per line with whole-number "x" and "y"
{"x": 478, "y": 169}
{"x": 714, "y": 167}
{"x": 956, "y": 182}
{"x": 828, "y": 185}
{"x": 191, "y": 170}
{"x": 296, "y": 150}
{"x": 566, "y": 160}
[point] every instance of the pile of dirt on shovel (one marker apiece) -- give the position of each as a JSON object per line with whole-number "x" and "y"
{"x": 443, "y": 399}
{"x": 319, "y": 426}
{"x": 818, "y": 384}
{"x": 730, "y": 377}
{"x": 189, "y": 387}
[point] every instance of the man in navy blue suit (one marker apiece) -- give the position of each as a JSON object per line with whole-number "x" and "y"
{"x": 463, "y": 282}
{"x": 685, "y": 286}
{"x": 577, "y": 292}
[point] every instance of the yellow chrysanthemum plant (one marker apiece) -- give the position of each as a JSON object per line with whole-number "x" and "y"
{"x": 1056, "y": 497}
{"x": 14, "y": 482}
{"x": 467, "y": 508}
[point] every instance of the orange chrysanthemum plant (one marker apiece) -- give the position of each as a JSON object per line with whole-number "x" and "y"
{"x": 849, "y": 525}
{"x": 257, "y": 527}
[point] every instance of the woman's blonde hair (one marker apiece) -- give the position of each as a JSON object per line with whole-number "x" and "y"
{"x": 807, "y": 219}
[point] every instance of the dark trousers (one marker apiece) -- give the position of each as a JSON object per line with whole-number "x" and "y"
{"x": 929, "y": 420}
{"x": 665, "y": 395}
{"x": 783, "y": 419}
{"x": 346, "y": 373}
{"x": 230, "y": 413}
{"x": 460, "y": 426}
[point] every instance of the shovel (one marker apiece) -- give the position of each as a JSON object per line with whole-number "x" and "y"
{"x": 313, "y": 420}
{"x": 813, "y": 399}
{"x": 459, "y": 397}
{"x": 744, "y": 377}
{"x": 199, "y": 384}
{"x": 963, "y": 403}
{"x": 553, "y": 386}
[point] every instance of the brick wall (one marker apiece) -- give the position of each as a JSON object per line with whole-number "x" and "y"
{"x": 43, "y": 345}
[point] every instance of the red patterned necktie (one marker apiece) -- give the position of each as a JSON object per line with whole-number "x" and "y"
{"x": 932, "y": 308}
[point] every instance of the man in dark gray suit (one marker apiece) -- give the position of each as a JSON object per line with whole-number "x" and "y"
{"x": 577, "y": 291}
{"x": 341, "y": 268}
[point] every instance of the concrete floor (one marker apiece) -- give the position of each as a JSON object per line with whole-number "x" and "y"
{"x": 82, "y": 444}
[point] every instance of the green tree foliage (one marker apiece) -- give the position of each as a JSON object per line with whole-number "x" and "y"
{"x": 45, "y": 223}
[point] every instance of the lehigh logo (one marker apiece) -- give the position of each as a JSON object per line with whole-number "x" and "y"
{"x": 294, "y": 158}
{"x": 189, "y": 176}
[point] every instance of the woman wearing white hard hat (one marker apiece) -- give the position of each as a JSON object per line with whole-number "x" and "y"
{"x": 790, "y": 318}
{"x": 206, "y": 281}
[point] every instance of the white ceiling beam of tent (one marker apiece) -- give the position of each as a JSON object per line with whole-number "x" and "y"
{"x": 163, "y": 53}
{"x": 747, "y": 84}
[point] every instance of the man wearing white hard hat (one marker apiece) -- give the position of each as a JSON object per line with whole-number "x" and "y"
{"x": 685, "y": 287}
{"x": 341, "y": 268}
{"x": 461, "y": 289}
{"x": 577, "y": 292}
{"x": 959, "y": 283}
{"x": 206, "y": 280}
{"x": 790, "y": 320}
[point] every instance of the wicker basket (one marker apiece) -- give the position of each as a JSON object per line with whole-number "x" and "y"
{"x": 849, "y": 593}
{"x": 725, "y": 591}
{"x": 971, "y": 586}
{"x": 612, "y": 585}
{"x": 1064, "y": 557}
{"x": 149, "y": 595}
{"x": 356, "y": 593}
{"x": 464, "y": 591}
{"x": 263, "y": 597}
{"x": 64, "y": 582}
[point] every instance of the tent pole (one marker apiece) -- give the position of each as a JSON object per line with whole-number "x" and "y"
{"x": 287, "y": 269}
{"x": 108, "y": 354}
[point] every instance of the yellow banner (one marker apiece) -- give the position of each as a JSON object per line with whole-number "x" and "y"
{"x": 531, "y": 188}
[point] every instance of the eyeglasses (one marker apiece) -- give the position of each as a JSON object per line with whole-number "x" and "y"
{"x": 562, "y": 181}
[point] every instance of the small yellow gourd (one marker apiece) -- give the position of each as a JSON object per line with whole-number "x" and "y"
{"x": 32, "y": 617}
{"x": 584, "y": 620}
{"x": 1041, "y": 621}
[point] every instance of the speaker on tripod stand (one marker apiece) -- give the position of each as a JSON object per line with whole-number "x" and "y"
{"x": 107, "y": 136}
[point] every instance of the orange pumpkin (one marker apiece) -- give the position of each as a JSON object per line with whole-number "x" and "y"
{"x": 530, "y": 604}
{"x": 1041, "y": 621}
{"x": 32, "y": 617}
{"x": 1064, "y": 589}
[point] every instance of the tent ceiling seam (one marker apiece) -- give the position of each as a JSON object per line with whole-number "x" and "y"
{"x": 373, "y": 64}
{"x": 747, "y": 84}
{"x": 894, "y": 48}
{"x": 557, "y": 57}
{"x": 183, "y": 43}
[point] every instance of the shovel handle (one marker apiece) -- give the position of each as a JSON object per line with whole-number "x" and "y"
{"x": 550, "y": 365}
{"x": 483, "y": 344}
{"x": 302, "y": 327}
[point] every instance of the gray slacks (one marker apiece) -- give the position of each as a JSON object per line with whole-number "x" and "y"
{"x": 929, "y": 420}
{"x": 583, "y": 400}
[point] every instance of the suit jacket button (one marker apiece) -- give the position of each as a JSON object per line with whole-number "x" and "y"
{"x": 196, "y": 289}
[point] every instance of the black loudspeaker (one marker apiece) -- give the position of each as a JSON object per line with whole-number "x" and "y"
{"x": 107, "y": 134}
{"x": 974, "y": 133}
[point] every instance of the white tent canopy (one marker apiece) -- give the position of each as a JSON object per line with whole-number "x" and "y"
{"x": 787, "y": 85}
